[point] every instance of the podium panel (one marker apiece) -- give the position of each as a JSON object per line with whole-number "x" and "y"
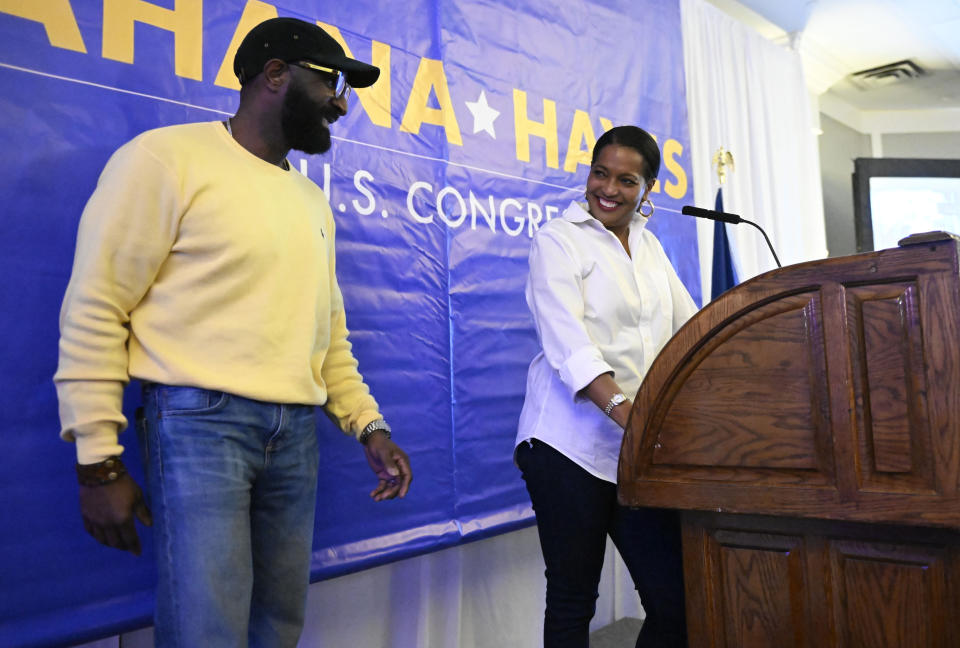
{"x": 807, "y": 423}
{"x": 768, "y": 582}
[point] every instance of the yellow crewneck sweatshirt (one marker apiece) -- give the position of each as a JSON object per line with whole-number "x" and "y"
{"x": 200, "y": 264}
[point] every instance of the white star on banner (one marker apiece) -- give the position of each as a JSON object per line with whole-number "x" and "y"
{"x": 483, "y": 115}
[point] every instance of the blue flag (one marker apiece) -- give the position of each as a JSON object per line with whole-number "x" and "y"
{"x": 723, "y": 276}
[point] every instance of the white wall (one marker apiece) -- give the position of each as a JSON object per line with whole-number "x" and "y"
{"x": 944, "y": 145}
{"x": 839, "y": 146}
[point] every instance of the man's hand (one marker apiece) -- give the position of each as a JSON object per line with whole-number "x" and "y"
{"x": 108, "y": 513}
{"x": 390, "y": 464}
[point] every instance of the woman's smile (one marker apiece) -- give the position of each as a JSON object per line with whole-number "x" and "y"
{"x": 607, "y": 205}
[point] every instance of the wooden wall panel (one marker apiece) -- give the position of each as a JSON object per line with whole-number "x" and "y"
{"x": 757, "y": 581}
{"x": 773, "y": 354}
{"x": 780, "y": 435}
{"x": 889, "y": 595}
{"x": 746, "y": 589}
{"x": 893, "y": 450}
{"x": 940, "y": 314}
{"x": 759, "y": 573}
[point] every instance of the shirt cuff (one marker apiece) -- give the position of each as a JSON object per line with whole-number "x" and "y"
{"x": 582, "y": 367}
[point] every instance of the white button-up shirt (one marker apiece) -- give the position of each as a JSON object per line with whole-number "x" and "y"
{"x": 596, "y": 310}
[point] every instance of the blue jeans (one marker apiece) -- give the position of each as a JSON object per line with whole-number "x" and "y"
{"x": 575, "y": 513}
{"x": 232, "y": 485}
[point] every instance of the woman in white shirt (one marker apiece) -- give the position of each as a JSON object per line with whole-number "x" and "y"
{"x": 604, "y": 300}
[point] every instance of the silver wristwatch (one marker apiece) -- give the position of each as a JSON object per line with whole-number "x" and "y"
{"x": 372, "y": 427}
{"x": 615, "y": 400}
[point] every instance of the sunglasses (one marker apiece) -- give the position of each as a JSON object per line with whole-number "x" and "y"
{"x": 336, "y": 80}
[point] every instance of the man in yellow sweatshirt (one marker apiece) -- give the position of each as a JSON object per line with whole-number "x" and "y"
{"x": 205, "y": 268}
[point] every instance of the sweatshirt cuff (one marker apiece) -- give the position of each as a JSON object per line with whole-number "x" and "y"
{"x": 96, "y": 442}
{"x": 364, "y": 419}
{"x": 582, "y": 367}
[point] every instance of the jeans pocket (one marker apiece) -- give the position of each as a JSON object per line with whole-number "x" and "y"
{"x": 189, "y": 401}
{"x": 140, "y": 420}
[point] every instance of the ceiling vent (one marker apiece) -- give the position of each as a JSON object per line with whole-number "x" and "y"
{"x": 886, "y": 75}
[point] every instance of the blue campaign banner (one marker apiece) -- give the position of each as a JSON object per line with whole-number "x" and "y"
{"x": 478, "y": 131}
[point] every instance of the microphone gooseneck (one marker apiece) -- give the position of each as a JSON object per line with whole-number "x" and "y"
{"x": 726, "y": 217}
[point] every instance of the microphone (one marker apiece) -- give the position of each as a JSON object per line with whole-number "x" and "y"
{"x": 725, "y": 217}
{"x": 690, "y": 210}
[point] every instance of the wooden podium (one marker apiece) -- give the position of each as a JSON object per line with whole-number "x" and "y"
{"x": 807, "y": 425}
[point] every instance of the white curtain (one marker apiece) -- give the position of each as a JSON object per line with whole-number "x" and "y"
{"x": 743, "y": 93}
{"x": 748, "y": 95}
{"x": 488, "y": 594}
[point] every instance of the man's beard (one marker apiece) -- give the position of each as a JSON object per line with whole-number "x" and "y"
{"x": 301, "y": 119}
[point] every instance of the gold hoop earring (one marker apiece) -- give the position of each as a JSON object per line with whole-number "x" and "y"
{"x": 649, "y": 213}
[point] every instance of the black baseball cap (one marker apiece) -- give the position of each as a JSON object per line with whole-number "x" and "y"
{"x": 292, "y": 39}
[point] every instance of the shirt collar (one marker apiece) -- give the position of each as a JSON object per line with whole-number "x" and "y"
{"x": 577, "y": 212}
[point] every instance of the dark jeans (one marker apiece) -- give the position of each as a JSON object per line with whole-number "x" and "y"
{"x": 575, "y": 513}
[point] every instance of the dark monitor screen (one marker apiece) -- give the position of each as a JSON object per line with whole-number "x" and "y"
{"x": 896, "y": 197}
